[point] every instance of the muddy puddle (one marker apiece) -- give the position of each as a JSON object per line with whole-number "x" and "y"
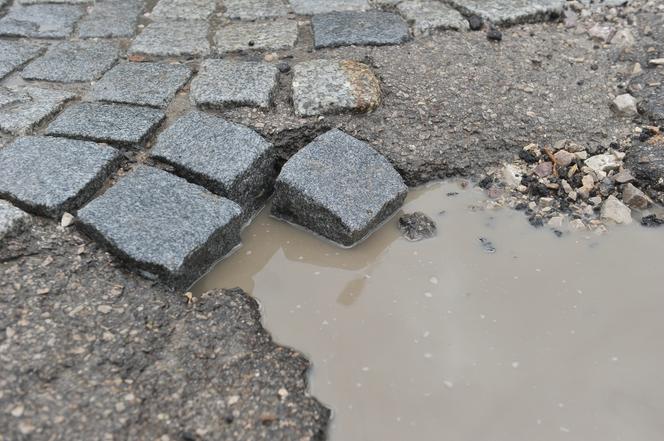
{"x": 544, "y": 338}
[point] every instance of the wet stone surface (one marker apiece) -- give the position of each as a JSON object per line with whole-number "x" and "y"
{"x": 40, "y": 21}
{"x": 254, "y": 9}
{"x": 373, "y": 28}
{"x": 48, "y": 176}
{"x": 70, "y": 62}
{"x": 183, "y": 9}
{"x": 172, "y": 38}
{"x": 14, "y": 54}
{"x": 111, "y": 18}
{"x": 164, "y": 225}
{"x": 146, "y": 84}
{"x": 12, "y": 220}
{"x": 269, "y": 35}
{"x": 417, "y": 226}
{"x": 505, "y": 12}
{"x": 228, "y": 159}
{"x": 311, "y": 7}
{"x": 225, "y": 83}
{"x": 646, "y": 162}
{"x": 326, "y": 86}
{"x": 338, "y": 187}
{"x": 429, "y": 15}
{"x": 121, "y": 124}
{"x": 22, "y": 108}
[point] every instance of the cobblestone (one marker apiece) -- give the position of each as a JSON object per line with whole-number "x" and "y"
{"x": 164, "y": 225}
{"x": 430, "y": 15}
{"x": 70, "y": 62}
{"x": 40, "y": 21}
{"x": 506, "y": 12}
{"x": 121, "y": 124}
{"x": 270, "y": 35}
{"x": 374, "y": 28}
{"x": 338, "y": 187}
{"x": 48, "y": 176}
{"x": 23, "y": 108}
{"x": 255, "y": 9}
{"x": 224, "y": 83}
{"x": 326, "y": 86}
{"x": 111, "y": 19}
{"x": 172, "y": 38}
{"x": 146, "y": 84}
{"x": 12, "y": 220}
{"x": 311, "y": 7}
{"x": 184, "y": 9}
{"x": 14, "y": 54}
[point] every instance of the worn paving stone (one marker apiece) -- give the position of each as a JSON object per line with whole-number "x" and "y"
{"x": 429, "y": 15}
{"x": 506, "y": 12}
{"x": 311, "y": 7}
{"x": 22, "y": 108}
{"x": 34, "y": 2}
{"x": 12, "y": 220}
{"x": 329, "y": 86}
{"x": 184, "y": 9}
{"x": 224, "y": 83}
{"x": 359, "y": 28}
{"x": 338, "y": 187}
{"x": 73, "y": 61}
{"x": 111, "y": 19}
{"x": 271, "y": 35}
{"x": 48, "y": 176}
{"x": 164, "y": 225}
{"x": 40, "y": 21}
{"x": 114, "y": 123}
{"x": 14, "y": 54}
{"x": 172, "y": 38}
{"x": 226, "y": 158}
{"x": 146, "y": 84}
{"x": 255, "y": 9}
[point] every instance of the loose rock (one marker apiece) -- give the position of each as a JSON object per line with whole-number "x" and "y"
{"x": 625, "y": 104}
{"x": 417, "y": 226}
{"x": 616, "y": 211}
{"x": 634, "y": 197}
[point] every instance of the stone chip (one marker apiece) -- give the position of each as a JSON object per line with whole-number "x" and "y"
{"x": 162, "y": 224}
{"x": 338, "y": 187}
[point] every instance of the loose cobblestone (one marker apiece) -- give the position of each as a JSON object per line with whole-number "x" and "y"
{"x": 338, "y": 187}
{"x": 121, "y": 124}
{"x": 12, "y": 220}
{"x": 14, "y": 54}
{"x": 172, "y": 38}
{"x": 255, "y": 9}
{"x": 224, "y": 83}
{"x": 23, "y": 108}
{"x": 146, "y": 84}
{"x": 506, "y": 12}
{"x": 70, "y": 62}
{"x": 429, "y": 15}
{"x": 270, "y": 35}
{"x": 48, "y": 176}
{"x": 326, "y": 86}
{"x": 164, "y": 225}
{"x": 111, "y": 19}
{"x": 184, "y": 9}
{"x": 228, "y": 159}
{"x": 373, "y": 28}
{"x": 40, "y": 21}
{"x": 311, "y": 7}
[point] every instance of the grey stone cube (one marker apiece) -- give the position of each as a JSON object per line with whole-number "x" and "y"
{"x": 270, "y": 35}
{"x": 12, "y": 220}
{"x": 255, "y": 9}
{"x": 338, "y": 187}
{"x": 228, "y": 159}
{"x": 40, "y": 21}
{"x": 371, "y": 28}
{"x": 111, "y": 19}
{"x": 164, "y": 225}
{"x": 227, "y": 83}
{"x": 173, "y": 38}
{"x": 121, "y": 124}
{"x": 506, "y": 12}
{"x": 430, "y": 15}
{"x": 14, "y": 54}
{"x": 184, "y": 9}
{"x": 23, "y": 108}
{"x": 311, "y": 7}
{"x": 74, "y": 61}
{"x": 146, "y": 84}
{"x": 48, "y": 176}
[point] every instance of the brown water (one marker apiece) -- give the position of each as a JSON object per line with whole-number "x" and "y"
{"x": 545, "y": 339}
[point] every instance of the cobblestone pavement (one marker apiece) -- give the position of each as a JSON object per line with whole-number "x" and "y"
{"x": 156, "y": 130}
